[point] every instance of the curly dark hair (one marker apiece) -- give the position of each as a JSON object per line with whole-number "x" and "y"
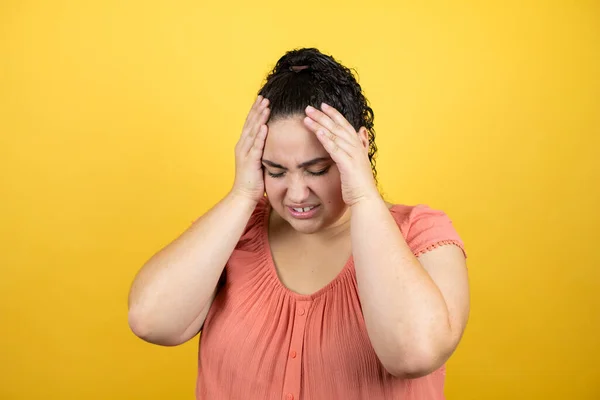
{"x": 305, "y": 77}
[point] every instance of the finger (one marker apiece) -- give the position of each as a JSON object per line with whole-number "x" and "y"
{"x": 334, "y": 136}
{"x": 259, "y": 143}
{"x": 248, "y": 140}
{"x": 258, "y": 107}
{"x": 248, "y": 137}
{"x": 245, "y": 141}
{"x": 339, "y": 150}
{"x": 261, "y": 117}
{"x": 264, "y": 115}
{"x": 337, "y": 117}
{"x": 253, "y": 124}
{"x": 254, "y": 107}
{"x": 344, "y": 130}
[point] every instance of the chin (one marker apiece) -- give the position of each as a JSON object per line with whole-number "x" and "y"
{"x": 305, "y": 227}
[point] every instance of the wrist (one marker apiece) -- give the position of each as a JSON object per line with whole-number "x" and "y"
{"x": 242, "y": 200}
{"x": 369, "y": 199}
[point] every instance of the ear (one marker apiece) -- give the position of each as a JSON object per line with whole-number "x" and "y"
{"x": 363, "y": 136}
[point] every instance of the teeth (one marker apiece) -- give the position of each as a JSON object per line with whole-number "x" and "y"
{"x": 305, "y": 209}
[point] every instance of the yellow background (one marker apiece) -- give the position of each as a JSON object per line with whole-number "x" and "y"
{"x": 117, "y": 127}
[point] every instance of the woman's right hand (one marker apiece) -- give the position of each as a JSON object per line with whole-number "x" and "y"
{"x": 249, "y": 181}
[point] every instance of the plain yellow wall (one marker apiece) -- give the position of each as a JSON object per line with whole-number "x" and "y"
{"x": 117, "y": 127}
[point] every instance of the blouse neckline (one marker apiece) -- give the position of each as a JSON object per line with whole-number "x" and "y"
{"x": 348, "y": 266}
{"x": 347, "y": 269}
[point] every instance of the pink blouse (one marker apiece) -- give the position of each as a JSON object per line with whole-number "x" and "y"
{"x": 262, "y": 341}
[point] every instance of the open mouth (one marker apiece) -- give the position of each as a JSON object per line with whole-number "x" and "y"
{"x": 305, "y": 209}
{"x": 303, "y": 212}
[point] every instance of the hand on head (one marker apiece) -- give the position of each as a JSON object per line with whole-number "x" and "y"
{"x": 248, "y": 152}
{"x": 348, "y": 148}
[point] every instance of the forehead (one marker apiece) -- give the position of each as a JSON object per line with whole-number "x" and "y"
{"x": 289, "y": 140}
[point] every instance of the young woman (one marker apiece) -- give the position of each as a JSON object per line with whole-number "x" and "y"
{"x": 306, "y": 284}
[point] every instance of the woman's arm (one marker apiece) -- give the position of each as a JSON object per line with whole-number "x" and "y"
{"x": 172, "y": 293}
{"x": 415, "y": 309}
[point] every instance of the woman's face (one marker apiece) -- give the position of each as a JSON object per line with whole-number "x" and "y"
{"x": 301, "y": 180}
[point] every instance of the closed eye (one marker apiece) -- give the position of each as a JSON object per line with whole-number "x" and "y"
{"x": 316, "y": 173}
{"x": 272, "y": 175}
{"x": 319, "y": 173}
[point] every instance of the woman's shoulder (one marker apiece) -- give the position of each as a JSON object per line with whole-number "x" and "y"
{"x": 408, "y": 214}
{"x": 425, "y": 227}
{"x": 405, "y": 213}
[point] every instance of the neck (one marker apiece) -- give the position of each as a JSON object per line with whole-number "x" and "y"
{"x": 339, "y": 228}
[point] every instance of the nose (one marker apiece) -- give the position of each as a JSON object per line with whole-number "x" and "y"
{"x": 297, "y": 190}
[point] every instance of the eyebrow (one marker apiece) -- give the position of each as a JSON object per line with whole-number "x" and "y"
{"x": 302, "y": 165}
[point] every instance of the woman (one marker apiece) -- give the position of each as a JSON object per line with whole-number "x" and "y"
{"x": 320, "y": 289}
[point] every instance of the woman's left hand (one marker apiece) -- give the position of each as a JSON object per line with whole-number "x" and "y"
{"x": 348, "y": 151}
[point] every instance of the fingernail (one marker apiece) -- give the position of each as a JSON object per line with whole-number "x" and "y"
{"x": 324, "y": 105}
{"x": 310, "y": 109}
{"x": 264, "y": 102}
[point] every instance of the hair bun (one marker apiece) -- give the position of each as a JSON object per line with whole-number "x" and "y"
{"x": 298, "y": 68}
{"x": 305, "y": 59}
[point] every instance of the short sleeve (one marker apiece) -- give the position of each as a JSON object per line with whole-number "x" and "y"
{"x": 428, "y": 228}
